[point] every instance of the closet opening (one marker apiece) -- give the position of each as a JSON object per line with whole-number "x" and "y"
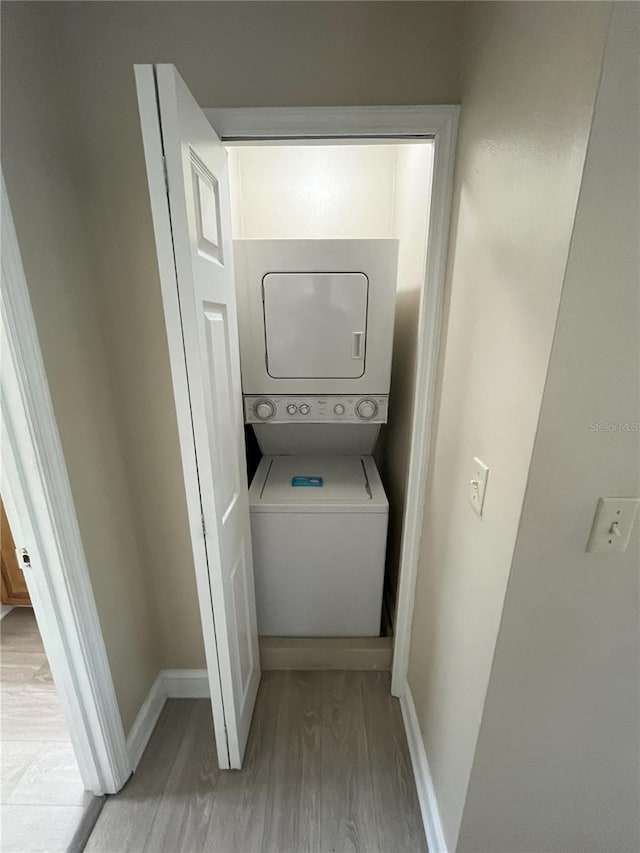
{"x": 330, "y": 241}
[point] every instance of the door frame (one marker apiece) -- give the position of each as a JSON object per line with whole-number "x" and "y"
{"x": 39, "y": 505}
{"x": 439, "y": 123}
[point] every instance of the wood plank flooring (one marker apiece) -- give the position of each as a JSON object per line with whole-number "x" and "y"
{"x": 326, "y": 770}
{"x": 42, "y": 798}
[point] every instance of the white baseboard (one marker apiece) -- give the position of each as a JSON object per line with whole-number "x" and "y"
{"x": 5, "y": 609}
{"x": 422, "y": 775}
{"x": 169, "y": 684}
{"x": 185, "y": 683}
{"x": 145, "y": 722}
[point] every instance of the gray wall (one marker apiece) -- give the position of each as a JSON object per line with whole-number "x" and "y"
{"x": 40, "y": 165}
{"x": 557, "y": 765}
{"x": 530, "y": 78}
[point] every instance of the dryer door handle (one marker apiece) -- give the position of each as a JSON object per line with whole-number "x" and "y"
{"x": 356, "y": 345}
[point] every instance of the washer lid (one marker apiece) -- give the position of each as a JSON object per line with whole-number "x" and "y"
{"x": 316, "y": 480}
{"x": 317, "y": 484}
{"x": 292, "y": 484}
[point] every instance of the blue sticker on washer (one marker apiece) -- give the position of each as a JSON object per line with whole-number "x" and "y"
{"x": 307, "y": 481}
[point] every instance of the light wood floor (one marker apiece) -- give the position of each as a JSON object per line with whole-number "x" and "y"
{"x": 326, "y": 769}
{"x": 42, "y": 798}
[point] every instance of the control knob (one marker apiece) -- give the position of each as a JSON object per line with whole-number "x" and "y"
{"x": 264, "y": 409}
{"x": 338, "y": 409}
{"x": 366, "y": 409}
{"x": 304, "y": 409}
{"x": 292, "y": 408}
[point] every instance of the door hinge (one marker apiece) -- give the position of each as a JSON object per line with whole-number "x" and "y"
{"x": 165, "y": 173}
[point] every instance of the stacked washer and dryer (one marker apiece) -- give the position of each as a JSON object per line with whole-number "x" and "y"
{"x": 316, "y": 335}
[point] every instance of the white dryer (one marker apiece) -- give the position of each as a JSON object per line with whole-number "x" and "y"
{"x": 319, "y": 528}
{"x": 316, "y": 316}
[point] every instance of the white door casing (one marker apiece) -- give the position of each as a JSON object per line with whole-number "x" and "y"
{"x": 37, "y": 496}
{"x": 192, "y": 210}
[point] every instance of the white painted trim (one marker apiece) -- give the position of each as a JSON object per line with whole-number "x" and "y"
{"x": 427, "y": 356}
{"x": 186, "y": 683}
{"x": 170, "y": 684}
{"x": 440, "y": 123}
{"x": 391, "y": 122}
{"x": 422, "y": 774}
{"x": 39, "y": 504}
{"x": 145, "y": 721}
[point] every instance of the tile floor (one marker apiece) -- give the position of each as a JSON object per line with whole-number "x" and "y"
{"x": 42, "y": 800}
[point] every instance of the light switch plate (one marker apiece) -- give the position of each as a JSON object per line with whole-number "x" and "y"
{"x": 612, "y": 524}
{"x": 478, "y": 485}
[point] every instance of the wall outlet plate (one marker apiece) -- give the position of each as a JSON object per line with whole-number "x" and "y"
{"x": 612, "y": 524}
{"x": 478, "y": 485}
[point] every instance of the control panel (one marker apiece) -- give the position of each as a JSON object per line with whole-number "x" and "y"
{"x": 316, "y": 410}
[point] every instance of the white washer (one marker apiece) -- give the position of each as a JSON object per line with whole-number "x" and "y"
{"x": 319, "y": 529}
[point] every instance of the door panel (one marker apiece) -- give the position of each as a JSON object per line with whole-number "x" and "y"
{"x": 197, "y": 195}
{"x": 207, "y": 200}
{"x": 220, "y": 403}
{"x": 241, "y": 603}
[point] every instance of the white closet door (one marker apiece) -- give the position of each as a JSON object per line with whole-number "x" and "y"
{"x": 197, "y": 195}
{"x": 315, "y": 324}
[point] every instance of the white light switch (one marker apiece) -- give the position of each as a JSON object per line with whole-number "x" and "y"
{"x": 612, "y": 524}
{"x": 478, "y": 484}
